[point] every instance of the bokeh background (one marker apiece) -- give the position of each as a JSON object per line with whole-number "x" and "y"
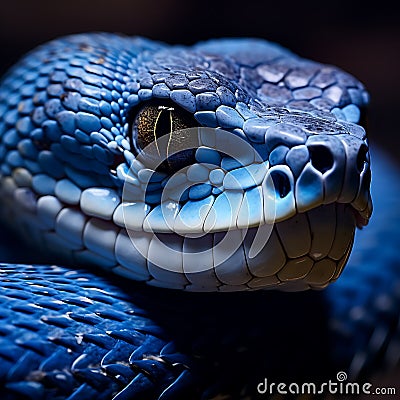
{"x": 361, "y": 37}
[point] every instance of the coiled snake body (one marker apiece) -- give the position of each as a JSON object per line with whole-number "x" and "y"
{"x": 233, "y": 165}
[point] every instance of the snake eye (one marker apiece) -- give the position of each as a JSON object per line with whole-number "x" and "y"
{"x": 161, "y": 136}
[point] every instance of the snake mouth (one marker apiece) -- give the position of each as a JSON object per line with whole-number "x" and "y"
{"x": 255, "y": 223}
{"x": 266, "y": 257}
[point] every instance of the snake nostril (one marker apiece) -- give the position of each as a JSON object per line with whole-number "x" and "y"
{"x": 321, "y": 158}
{"x": 362, "y": 157}
{"x": 281, "y": 183}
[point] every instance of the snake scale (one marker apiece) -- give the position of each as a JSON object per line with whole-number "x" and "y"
{"x": 230, "y": 166}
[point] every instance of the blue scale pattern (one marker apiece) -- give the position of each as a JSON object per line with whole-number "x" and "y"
{"x": 81, "y": 334}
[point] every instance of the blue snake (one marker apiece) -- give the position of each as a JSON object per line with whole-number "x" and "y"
{"x": 129, "y": 167}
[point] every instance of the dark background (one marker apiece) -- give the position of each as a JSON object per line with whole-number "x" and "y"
{"x": 360, "y": 37}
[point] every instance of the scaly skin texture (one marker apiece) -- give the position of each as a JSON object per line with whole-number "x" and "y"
{"x": 67, "y": 142}
{"x": 72, "y": 161}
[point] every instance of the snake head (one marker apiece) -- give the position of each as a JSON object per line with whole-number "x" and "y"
{"x": 207, "y": 168}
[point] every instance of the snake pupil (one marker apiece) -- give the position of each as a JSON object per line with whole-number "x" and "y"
{"x": 156, "y": 120}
